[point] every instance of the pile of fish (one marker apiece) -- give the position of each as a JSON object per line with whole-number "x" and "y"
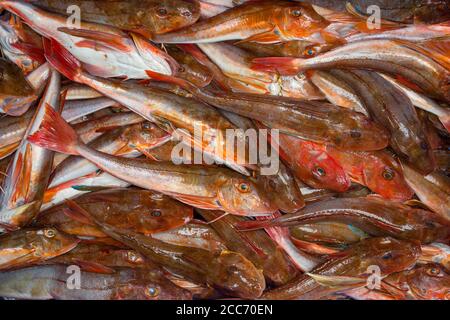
{"x": 96, "y": 204}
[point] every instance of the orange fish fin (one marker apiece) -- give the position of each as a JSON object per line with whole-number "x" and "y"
{"x": 111, "y": 40}
{"x": 282, "y": 65}
{"x": 95, "y": 267}
{"x": 313, "y": 248}
{"x": 8, "y": 149}
{"x": 198, "y": 202}
{"x": 332, "y": 38}
{"x": 264, "y": 37}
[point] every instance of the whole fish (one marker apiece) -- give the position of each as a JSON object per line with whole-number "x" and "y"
{"x": 373, "y": 215}
{"x": 203, "y": 187}
{"x": 377, "y": 170}
{"x": 105, "y": 51}
{"x": 29, "y": 171}
{"x": 389, "y": 254}
{"x": 393, "y": 57}
{"x": 50, "y": 282}
{"x": 30, "y": 246}
{"x": 147, "y": 16}
{"x": 314, "y": 121}
{"x": 168, "y": 110}
{"x": 393, "y": 109}
{"x": 265, "y": 22}
{"x": 431, "y": 194}
{"x": 16, "y": 93}
{"x": 229, "y": 272}
{"x": 312, "y": 164}
{"x": 256, "y": 246}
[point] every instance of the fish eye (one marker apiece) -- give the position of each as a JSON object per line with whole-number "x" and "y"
{"x": 309, "y": 52}
{"x": 355, "y": 134}
{"x": 433, "y": 271}
{"x": 321, "y": 171}
{"x": 388, "y": 174}
{"x": 387, "y": 256}
{"x": 49, "y": 233}
{"x": 162, "y": 12}
{"x": 296, "y": 13}
{"x": 424, "y": 145}
{"x": 146, "y": 125}
{"x": 243, "y": 187}
{"x": 156, "y": 213}
{"x": 152, "y": 292}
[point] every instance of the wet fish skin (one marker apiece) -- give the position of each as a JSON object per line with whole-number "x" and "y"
{"x": 30, "y": 246}
{"x": 16, "y": 92}
{"x": 50, "y": 282}
{"x": 389, "y": 254}
{"x": 374, "y": 215}
{"x": 147, "y": 16}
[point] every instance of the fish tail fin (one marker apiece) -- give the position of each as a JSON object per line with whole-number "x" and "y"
{"x": 283, "y": 65}
{"x": 62, "y": 60}
{"x": 56, "y": 134}
{"x": 253, "y": 225}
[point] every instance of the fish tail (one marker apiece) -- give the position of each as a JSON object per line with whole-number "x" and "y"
{"x": 253, "y": 225}
{"x": 56, "y": 134}
{"x": 283, "y": 65}
{"x": 62, "y": 60}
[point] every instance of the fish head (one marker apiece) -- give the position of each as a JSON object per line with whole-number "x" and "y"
{"x": 364, "y": 135}
{"x": 172, "y": 15}
{"x": 383, "y": 176}
{"x": 301, "y": 20}
{"x": 429, "y": 282}
{"x": 50, "y": 242}
{"x": 234, "y": 274}
{"x": 388, "y": 255}
{"x": 149, "y": 284}
{"x": 244, "y": 196}
{"x": 420, "y": 154}
{"x": 322, "y": 171}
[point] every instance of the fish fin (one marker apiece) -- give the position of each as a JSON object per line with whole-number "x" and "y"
{"x": 198, "y": 202}
{"x": 77, "y": 217}
{"x": 338, "y": 281}
{"x": 62, "y": 60}
{"x": 77, "y": 213}
{"x": 95, "y": 267}
{"x": 171, "y": 79}
{"x": 311, "y": 247}
{"x": 23, "y": 186}
{"x": 112, "y": 40}
{"x": 56, "y": 134}
{"x": 332, "y": 38}
{"x": 263, "y": 37}
{"x": 8, "y": 227}
{"x": 252, "y": 225}
{"x": 8, "y": 149}
{"x": 30, "y": 50}
{"x": 146, "y": 48}
{"x": 282, "y": 65}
